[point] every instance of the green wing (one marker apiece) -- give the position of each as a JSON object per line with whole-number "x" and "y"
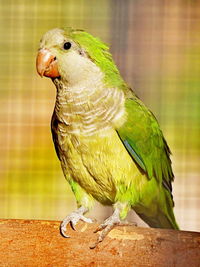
{"x": 143, "y": 139}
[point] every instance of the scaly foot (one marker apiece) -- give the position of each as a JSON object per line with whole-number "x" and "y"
{"x": 73, "y": 218}
{"x": 108, "y": 225}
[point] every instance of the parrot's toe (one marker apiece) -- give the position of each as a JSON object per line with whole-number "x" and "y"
{"x": 72, "y": 219}
{"x": 108, "y": 225}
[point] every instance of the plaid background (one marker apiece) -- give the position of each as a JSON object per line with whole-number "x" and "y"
{"x": 156, "y": 45}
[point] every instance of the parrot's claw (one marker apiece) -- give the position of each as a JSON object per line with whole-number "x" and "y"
{"x": 108, "y": 225}
{"x": 73, "y": 219}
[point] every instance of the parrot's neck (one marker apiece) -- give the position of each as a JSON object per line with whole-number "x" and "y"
{"x": 89, "y": 106}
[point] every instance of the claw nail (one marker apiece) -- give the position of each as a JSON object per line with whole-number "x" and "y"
{"x": 72, "y": 225}
{"x": 97, "y": 230}
{"x": 93, "y": 246}
{"x": 99, "y": 240}
{"x": 62, "y": 231}
{"x": 64, "y": 235}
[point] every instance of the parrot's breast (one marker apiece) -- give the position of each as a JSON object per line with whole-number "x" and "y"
{"x": 89, "y": 108}
{"x": 88, "y": 146}
{"x": 98, "y": 163}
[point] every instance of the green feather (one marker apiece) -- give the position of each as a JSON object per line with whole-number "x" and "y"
{"x": 142, "y": 137}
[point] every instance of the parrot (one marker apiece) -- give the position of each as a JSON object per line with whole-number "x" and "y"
{"x": 109, "y": 144}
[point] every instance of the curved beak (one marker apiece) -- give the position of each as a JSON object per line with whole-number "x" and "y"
{"x": 47, "y": 64}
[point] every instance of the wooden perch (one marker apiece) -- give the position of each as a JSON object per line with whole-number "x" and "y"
{"x": 39, "y": 243}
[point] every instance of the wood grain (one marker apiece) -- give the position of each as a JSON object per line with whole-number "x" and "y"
{"x": 39, "y": 243}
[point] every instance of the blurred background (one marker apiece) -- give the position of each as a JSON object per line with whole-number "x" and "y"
{"x": 156, "y": 45}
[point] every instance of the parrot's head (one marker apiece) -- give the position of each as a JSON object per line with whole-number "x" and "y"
{"x": 74, "y": 55}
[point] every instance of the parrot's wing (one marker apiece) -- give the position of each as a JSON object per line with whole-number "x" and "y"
{"x": 143, "y": 139}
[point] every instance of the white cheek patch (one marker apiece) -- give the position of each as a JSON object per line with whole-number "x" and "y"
{"x": 76, "y": 68}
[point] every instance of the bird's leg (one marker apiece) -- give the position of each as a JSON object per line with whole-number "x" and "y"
{"x": 116, "y": 219}
{"x": 84, "y": 202}
{"x": 73, "y": 218}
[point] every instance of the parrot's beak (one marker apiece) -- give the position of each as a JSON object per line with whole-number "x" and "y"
{"x": 47, "y": 64}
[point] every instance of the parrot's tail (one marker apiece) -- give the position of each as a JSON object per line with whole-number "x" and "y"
{"x": 165, "y": 216}
{"x": 160, "y": 221}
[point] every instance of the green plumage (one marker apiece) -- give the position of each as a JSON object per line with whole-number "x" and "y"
{"x": 145, "y": 143}
{"x": 110, "y": 145}
{"x": 149, "y": 148}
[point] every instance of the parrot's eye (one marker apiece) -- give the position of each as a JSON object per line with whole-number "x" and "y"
{"x": 67, "y": 45}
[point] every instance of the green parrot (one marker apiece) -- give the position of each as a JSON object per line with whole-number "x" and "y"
{"x": 110, "y": 146}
